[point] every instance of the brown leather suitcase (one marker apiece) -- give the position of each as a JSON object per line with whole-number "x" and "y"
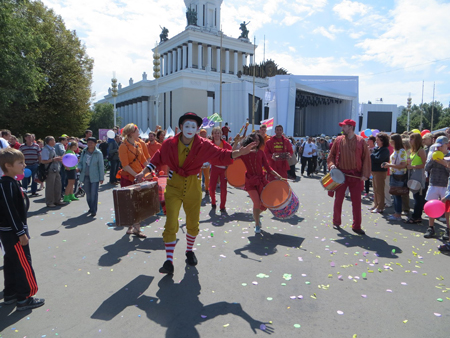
{"x": 135, "y": 203}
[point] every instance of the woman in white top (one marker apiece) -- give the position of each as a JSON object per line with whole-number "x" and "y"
{"x": 398, "y": 176}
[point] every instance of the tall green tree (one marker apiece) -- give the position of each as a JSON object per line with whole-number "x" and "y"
{"x": 62, "y": 105}
{"x": 21, "y": 46}
{"x": 102, "y": 117}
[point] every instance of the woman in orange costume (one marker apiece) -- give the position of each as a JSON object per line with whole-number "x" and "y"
{"x": 255, "y": 179}
{"x": 218, "y": 172}
{"x": 133, "y": 160}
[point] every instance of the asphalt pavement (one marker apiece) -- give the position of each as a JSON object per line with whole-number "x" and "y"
{"x": 299, "y": 278}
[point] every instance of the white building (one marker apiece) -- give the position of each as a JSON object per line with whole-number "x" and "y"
{"x": 379, "y": 116}
{"x": 191, "y": 64}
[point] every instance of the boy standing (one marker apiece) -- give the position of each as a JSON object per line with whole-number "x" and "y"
{"x": 20, "y": 281}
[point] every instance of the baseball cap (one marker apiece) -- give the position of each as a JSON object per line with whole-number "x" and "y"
{"x": 64, "y": 135}
{"x": 441, "y": 140}
{"x": 347, "y": 122}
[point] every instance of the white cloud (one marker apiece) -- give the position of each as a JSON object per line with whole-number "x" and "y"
{"x": 348, "y": 9}
{"x": 329, "y": 33}
{"x": 418, "y": 34}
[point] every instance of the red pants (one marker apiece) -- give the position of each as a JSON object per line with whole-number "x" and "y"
{"x": 217, "y": 173}
{"x": 354, "y": 185}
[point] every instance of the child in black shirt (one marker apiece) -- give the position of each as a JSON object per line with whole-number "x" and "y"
{"x": 20, "y": 281}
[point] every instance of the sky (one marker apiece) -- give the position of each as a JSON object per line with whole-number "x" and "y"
{"x": 393, "y": 46}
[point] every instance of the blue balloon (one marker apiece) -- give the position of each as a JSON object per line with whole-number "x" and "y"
{"x": 368, "y": 132}
{"x": 27, "y": 172}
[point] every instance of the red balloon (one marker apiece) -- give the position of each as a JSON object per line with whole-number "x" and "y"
{"x": 424, "y": 132}
{"x": 363, "y": 135}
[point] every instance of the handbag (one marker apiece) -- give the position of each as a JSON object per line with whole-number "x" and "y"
{"x": 416, "y": 179}
{"x": 398, "y": 191}
{"x": 42, "y": 171}
{"x": 292, "y": 160}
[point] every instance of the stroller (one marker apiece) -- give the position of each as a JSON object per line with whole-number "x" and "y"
{"x": 78, "y": 190}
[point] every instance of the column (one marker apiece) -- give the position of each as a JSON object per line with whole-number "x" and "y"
{"x": 179, "y": 58}
{"x": 125, "y": 115}
{"x": 139, "y": 114}
{"x": 135, "y": 112}
{"x": 251, "y": 59}
{"x": 183, "y": 63}
{"x": 208, "y": 65}
{"x": 244, "y": 60}
{"x": 174, "y": 61}
{"x": 169, "y": 63}
{"x": 227, "y": 61}
{"x": 190, "y": 54}
{"x": 200, "y": 56}
{"x": 218, "y": 59}
{"x": 145, "y": 125}
{"x": 165, "y": 64}
{"x": 161, "y": 65}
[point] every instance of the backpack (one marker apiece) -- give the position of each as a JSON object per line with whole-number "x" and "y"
{"x": 42, "y": 172}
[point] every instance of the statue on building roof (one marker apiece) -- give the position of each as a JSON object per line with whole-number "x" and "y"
{"x": 245, "y": 31}
{"x": 164, "y": 36}
{"x": 191, "y": 16}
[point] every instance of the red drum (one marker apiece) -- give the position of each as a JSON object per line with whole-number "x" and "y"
{"x": 235, "y": 174}
{"x": 279, "y": 198}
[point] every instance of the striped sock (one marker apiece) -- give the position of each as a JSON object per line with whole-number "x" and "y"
{"x": 170, "y": 246}
{"x": 190, "y": 242}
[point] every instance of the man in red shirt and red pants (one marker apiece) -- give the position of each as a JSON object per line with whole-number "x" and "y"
{"x": 351, "y": 155}
{"x": 278, "y": 150}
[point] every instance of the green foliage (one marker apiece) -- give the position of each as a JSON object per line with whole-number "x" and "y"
{"x": 62, "y": 105}
{"x": 21, "y": 47}
{"x": 437, "y": 113}
{"x": 102, "y": 118}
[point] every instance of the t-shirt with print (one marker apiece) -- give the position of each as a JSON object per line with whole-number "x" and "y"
{"x": 397, "y": 157}
{"x": 308, "y": 148}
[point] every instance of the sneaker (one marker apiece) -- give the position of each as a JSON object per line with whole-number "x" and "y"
{"x": 9, "y": 299}
{"x": 223, "y": 210}
{"x": 30, "y": 303}
{"x": 35, "y": 194}
{"x": 393, "y": 218}
{"x": 444, "y": 247}
{"x": 446, "y": 236}
{"x": 359, "y": 231}
{"x": 191, "y": 259}
{"x": 167, "y": 267}
{"x": 442, "y": 219}
{"x": 257, "y": 229}
{"x": 51, "y": 205}
{"x": 336, "y": 227}
{"x": 430, "y": 233}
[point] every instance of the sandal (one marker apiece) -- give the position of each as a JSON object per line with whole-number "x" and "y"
{"x": 130, "y": 230}
{"x": 412, "y": 221}
{"x": 140, "y": 234}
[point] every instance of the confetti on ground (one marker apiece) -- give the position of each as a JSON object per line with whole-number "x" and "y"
{"x": 339, "y": 312}
{"x": 297, "y": 326}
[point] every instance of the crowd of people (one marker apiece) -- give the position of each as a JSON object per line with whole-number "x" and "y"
{"x": 396, "y": 165}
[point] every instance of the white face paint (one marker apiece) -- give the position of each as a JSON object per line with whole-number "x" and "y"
{"x": 189, "y": 129}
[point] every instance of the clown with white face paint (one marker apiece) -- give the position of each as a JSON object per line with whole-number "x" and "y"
{"x": 185, "y": 154}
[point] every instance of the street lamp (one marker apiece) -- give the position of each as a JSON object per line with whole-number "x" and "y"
{"x": 408, "y": 107}
{"x": 114, "y": 93}
{"x": 156, "y": 75}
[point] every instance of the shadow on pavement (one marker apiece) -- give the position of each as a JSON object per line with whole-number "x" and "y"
{"x": 380, "y": 246}
{"x": 125, "y": 245}
{"x": 73, "y": 222}
{"x": 294, "y": 220}
{"x": 176, "y": 306}
{"x": 9, "y": 316}
{"x": 266, "y": 244}
{"x": 50, "y": 233}
{"x": 219, "y": 219}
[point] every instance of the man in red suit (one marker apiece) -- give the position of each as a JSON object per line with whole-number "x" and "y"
{"x": 278, "y": 150}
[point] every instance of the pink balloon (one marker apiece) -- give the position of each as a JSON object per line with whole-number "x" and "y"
{"x": 20, "y": 177}
{"x": 69, "y": 160}
{"x": 434, "y": 208}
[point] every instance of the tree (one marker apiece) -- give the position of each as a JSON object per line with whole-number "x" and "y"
{"x": 102, "y": 117}
{"x": 427, "y": 115}
{"x": 21, "y": 47}
{"x": 62, "y": 105}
